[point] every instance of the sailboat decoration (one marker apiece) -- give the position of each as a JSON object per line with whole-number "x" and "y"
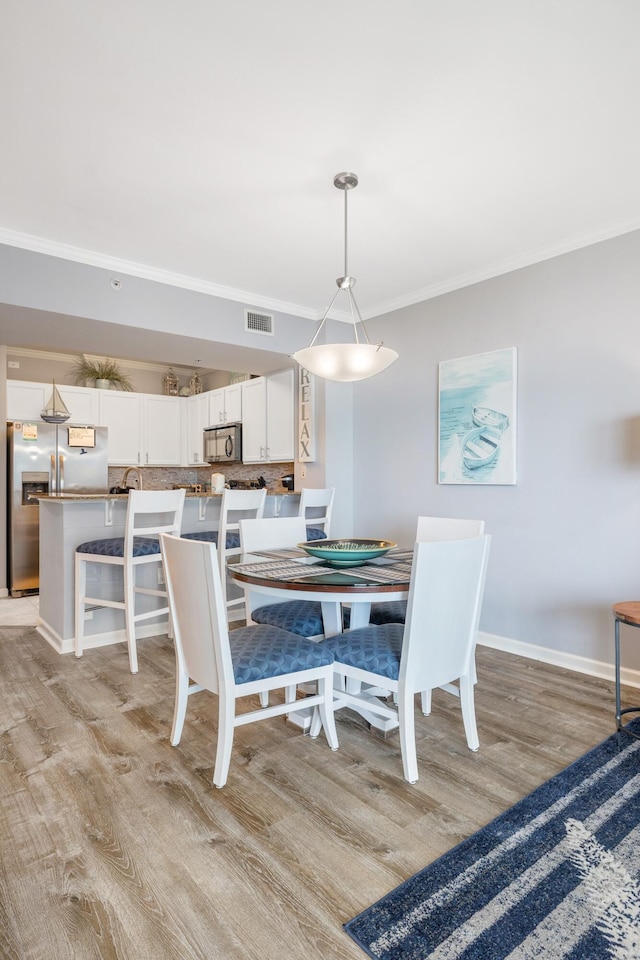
{"x": 56, "y": 410}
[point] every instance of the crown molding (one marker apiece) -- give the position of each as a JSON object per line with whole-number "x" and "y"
{"x": 144, "y": 272}
{"x": 64, "y": 251}
{"x": 501, "y": 267}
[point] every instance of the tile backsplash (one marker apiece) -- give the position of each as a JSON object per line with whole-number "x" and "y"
{"x": 163, "y": 478}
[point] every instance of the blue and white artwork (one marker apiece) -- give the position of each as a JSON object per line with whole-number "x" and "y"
{"x": 477, "y": 418}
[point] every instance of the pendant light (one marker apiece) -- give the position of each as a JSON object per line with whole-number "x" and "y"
{"x": 345, "y": 361}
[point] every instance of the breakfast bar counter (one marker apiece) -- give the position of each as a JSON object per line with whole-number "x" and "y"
{"x": 68, "y": 520}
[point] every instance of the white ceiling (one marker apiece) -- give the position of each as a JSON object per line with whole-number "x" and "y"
{"x": 199, "y": 140}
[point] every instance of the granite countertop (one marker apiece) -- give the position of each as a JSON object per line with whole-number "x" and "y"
{"x": 78, "y": 497}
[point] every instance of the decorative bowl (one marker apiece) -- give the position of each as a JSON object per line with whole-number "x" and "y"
{"x": 346, "y": 553}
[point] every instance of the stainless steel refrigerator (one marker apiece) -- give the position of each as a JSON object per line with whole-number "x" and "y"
{"x": 46, "y": 458}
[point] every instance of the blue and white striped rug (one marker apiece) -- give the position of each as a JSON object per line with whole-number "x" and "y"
{"x": 556, "y": 877}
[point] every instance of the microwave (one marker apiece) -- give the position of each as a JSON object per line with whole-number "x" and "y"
{"x": 223, "y": 444}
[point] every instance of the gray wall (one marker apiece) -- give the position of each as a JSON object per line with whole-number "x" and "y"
{"x": 565, "y": 544}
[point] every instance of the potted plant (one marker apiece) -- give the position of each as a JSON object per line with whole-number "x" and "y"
{"x": 104, "y": 372}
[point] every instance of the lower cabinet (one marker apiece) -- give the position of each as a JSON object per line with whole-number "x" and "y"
{"x": 268, "y": 412}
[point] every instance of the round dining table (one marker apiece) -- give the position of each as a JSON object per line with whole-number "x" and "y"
{"x": 287, "y": 575}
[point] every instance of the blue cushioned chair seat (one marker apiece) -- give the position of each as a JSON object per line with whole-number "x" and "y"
{"x": 211, "y": 536}
{"x": 393, "y": 611}
{"x": 264, "y": 651}
{"x": 373, "y": 648}
{"x": 114, "y": 547}
{"x": 302, "y": 617}
{"x": 315, "y": 533}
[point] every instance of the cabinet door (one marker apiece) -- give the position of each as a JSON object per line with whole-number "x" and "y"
{"x": 25, "y": 400}
{"x": 254, "y": 420}
{"x": 280, "y": 417}
{"x": 121, "y": 414}
{"x": 161, "y": 430}
{"x": 83, "y": 404}
{"x": 216, "y": 407}
{"x": 197, "y": 420}
{"x": 233, "y": 403}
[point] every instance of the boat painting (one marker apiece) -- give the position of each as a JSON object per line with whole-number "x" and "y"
{"x": 486, "y": 417}
{"x": 480, "y": 447}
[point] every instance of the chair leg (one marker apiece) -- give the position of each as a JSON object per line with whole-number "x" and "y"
{"x": 129, "y": 614}
{"x": 324, "y": 715}
{"x": 406, "y": 720}
{"x": 81, "y": 589}
{"x": 180, "y": 707}
{"x": 469, "y": 711}
{"x": 425, "y": 702}
{"x": 226, "y": 715}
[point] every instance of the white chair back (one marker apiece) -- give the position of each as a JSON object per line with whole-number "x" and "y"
{"x": 316, "y": 507}
{"x": 443, "y": 610}
{"x": 271, "y": 533}
{"x": 201, "y": 635}
{"x": 235, "y": 504}
{"x": 448, "y": 528}
{"x": 152, "y": 512}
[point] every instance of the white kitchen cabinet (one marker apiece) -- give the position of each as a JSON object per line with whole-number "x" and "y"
{"x": 197, "y": 422}
{"x": 161, "y": 430}
{"x": 26, "y": 401}
{"x": 225, "y": 405}
{"x": 268, "y": 412}
{"x": 144, "y": 429}
{"x": 121, "y": 414}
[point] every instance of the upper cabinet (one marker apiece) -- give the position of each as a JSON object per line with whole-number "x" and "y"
{"x": 197, "y": 422}
{"x": 27, "y": 400}
{"x": 225, "y": 405}
{"x": 161, "y": 430}
{"x": 268, "y": 413}
{"x": 143, "y": 429}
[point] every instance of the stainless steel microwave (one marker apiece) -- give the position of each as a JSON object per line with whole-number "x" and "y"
{"x": 223, "y": 444}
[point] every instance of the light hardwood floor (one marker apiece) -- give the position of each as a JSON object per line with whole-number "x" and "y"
{"x": 115, "y": 844}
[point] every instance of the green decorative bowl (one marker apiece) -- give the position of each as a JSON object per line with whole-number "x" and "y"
{"x": 347, "y": 553}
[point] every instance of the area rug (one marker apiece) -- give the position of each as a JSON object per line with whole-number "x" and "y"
{"x": 556, "y": 876}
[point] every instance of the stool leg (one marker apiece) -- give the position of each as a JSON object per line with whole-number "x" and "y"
{"x": 81, "y": 589}
{"x": 617, "y": 642}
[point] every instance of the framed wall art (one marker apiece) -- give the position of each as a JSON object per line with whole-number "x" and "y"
{"x": 477, "y": 418}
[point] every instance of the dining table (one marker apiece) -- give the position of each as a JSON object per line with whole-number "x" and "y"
{"x": 290, "y": 573}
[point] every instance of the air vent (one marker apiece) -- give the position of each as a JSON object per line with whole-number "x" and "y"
{"x": 258, "y": 322}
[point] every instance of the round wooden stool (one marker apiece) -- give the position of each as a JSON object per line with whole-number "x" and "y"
{"x": 628, "y": 613}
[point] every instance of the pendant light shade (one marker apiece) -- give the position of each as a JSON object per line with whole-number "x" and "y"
{"x": 345, "y": 361}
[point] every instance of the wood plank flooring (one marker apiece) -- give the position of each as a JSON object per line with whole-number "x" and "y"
{"x": 115, "y": 845}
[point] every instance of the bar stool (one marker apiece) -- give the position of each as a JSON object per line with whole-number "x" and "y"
{"x": 628, "y": 613}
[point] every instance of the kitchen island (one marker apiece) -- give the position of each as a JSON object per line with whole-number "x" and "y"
{"x": 68, "y": 520}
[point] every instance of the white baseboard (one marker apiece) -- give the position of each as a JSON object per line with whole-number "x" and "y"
{"x": 569, "y": 661}
{"x": 99, "y": 639}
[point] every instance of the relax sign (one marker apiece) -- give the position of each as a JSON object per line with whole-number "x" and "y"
{"x": 306, "y": 413}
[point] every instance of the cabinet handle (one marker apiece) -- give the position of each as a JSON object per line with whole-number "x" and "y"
{"x": 267, "y": 454}
{"x": 262, "y": 453}
{"x": 138, "y": 456}
{"x": 147, "y": 458}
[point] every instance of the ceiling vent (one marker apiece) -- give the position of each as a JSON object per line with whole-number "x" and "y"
{"x": 258, "y": 322}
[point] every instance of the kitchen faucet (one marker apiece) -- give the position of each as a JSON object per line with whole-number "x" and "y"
{"x": 127, "y": 471}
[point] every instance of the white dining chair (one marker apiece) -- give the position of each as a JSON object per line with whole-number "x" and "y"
{"x": 316, "y": 506}
{"x": 234, "y": 505}
{"x": 302, "y": 617}
{"x": 432, "y": 649}
{"x": 429, "y": 528}
{"x": 234, "y": 664}
{"x": 149, "y": 514}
